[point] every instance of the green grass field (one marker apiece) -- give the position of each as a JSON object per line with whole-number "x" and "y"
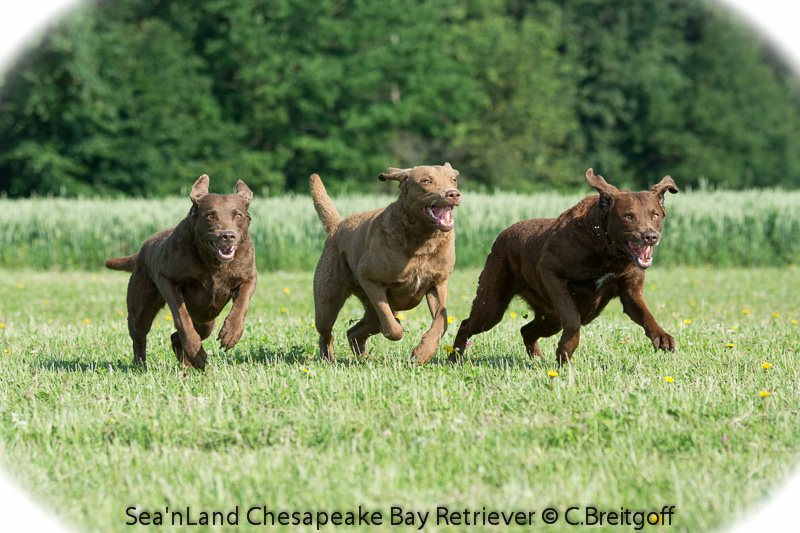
{"x": 273, "y": 427}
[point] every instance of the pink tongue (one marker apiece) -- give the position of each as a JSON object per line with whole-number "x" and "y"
{"x": 643, "y": 253}
{"x": 442, "y": 212}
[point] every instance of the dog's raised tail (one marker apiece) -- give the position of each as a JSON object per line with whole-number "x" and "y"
{"x": 327, "y": 213}
{"x": 122, "y": 263}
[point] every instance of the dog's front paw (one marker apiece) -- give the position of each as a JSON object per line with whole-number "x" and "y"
{"x": 663, "y": 341}
{"x": 198, "y": 361}
{"x": 394, "y": 332}
{"x": 229, "y": 335}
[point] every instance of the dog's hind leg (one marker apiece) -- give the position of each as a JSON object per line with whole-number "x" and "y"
{"x": 144, "y": 303}
{"x": 495, "y": 291}
{"x": 541, "y": 326}
{"x": 357, "y": 335}
{"x": 330, "y": 293}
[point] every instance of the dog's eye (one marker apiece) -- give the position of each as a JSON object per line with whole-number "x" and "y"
{"x": 210, "y": 216}
{"x": 655, "y": 216}
{"x": 426, "y": 181}
{"x": 238, "y": 216}
{"x": 628, "y": 217}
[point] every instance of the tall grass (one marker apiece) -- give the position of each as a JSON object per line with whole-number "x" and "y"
{"x": 756, "y": 228}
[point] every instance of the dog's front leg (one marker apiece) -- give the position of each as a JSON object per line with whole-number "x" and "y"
{"x": 231, "y": 331}
{"x": 557, "y": 290}
{"x": 376, "y": 292}
{"x": 193, "y": 353}
{"x": 437, "y": 303}
{"x": 634, "y": 305}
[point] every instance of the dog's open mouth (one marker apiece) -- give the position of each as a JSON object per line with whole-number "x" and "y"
{"x": 440, "y": 215}
{"x": 224, "y": 253}
{"x": 642, "y": 255}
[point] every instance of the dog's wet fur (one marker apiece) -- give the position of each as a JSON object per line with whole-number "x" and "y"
{"x": 568, "y": 269}
{"x": 389, "y": 258}
{"x": 195, "y": 268}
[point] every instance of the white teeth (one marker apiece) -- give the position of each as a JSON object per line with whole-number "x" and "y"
{"x": 430, "y": 211}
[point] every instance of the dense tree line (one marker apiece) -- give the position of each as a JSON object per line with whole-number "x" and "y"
{"x": 142, "y": 96}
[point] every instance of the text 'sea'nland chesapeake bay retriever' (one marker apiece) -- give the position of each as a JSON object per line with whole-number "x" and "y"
{"x": 195, "y": 268}
{"x": 568, "y": 269}
{"x": 389, "y": 258}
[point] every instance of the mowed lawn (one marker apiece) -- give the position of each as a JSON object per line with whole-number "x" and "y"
{"x": 711, "y": 429}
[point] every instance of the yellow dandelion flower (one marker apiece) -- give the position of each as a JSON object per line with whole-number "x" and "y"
{"x": 734, "y": 328}
{"x": 286, "y": 290}
{"x": 746, "y": 311}
{"x": 168, "y": 317}
{"x": 87, "y": 321}
{"x": 687, "y": 321}
{"x": 776, "y": 315}
{"x": 111, "y": 420}
{"x": 2, "y": 325}
{"x": 283, "y": 309}
{"x": 448, "y": 349}
{"x": 305, "y": 370}
{"x": 552, "y": 373}
{"x": 400, "y": 316}
{"x": 20, "y": 285}
{"x": 764, "y": 394}
{"x": 669, "y": 379}
{"x": 731, "y": 345}
{"x": 794, "y": 321}
{"x": 653, "y": 287}
{"x": 450, "y": 319}
{"x": 765, "y": 366}
{"x": 512, "y": 314}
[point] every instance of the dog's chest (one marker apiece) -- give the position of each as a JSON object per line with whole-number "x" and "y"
{"x": 205, "y": 299}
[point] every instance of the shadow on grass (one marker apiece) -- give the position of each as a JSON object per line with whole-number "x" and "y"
{"x": 76, "y": 365}
{"x": 265, "y": 355}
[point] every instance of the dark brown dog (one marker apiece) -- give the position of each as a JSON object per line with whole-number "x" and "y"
{"x": 195, "y": 268}
{"x": 568, "y": 269}
{"x": 389, "y": 258}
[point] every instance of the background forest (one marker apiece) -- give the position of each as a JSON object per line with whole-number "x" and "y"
{"x": 139, "y": 97}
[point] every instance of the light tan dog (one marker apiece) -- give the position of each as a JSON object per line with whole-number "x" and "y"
{"x": 389, "y": 258}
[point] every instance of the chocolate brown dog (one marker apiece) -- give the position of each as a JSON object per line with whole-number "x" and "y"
{"x": 568, "y": 269}
{"x": 389, "y": 258}
{"x": 195, "y": 268}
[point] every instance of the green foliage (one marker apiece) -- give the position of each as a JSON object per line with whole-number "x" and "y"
{"x": 758, "y": 228}
{"x": 137, "y": 97}
{"x": 272, "y": 425}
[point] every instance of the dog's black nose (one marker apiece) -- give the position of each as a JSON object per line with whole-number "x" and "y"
{"x": 227, "y": 237}
{"x": 650, "y": 238}
{"x": 453, "y": 195}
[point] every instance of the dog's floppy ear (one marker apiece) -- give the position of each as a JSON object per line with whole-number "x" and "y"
{"x": 199, "y": 189}
{"x": 448, "y": 167}
{"x": 666, "y": 184}
{"x": 605, "y": 189}
{"x": 395, "y": 174}
{"x": 245, "y": 192}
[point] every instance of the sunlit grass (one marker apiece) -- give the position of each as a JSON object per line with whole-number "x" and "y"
{"x": 710, "y": 429}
